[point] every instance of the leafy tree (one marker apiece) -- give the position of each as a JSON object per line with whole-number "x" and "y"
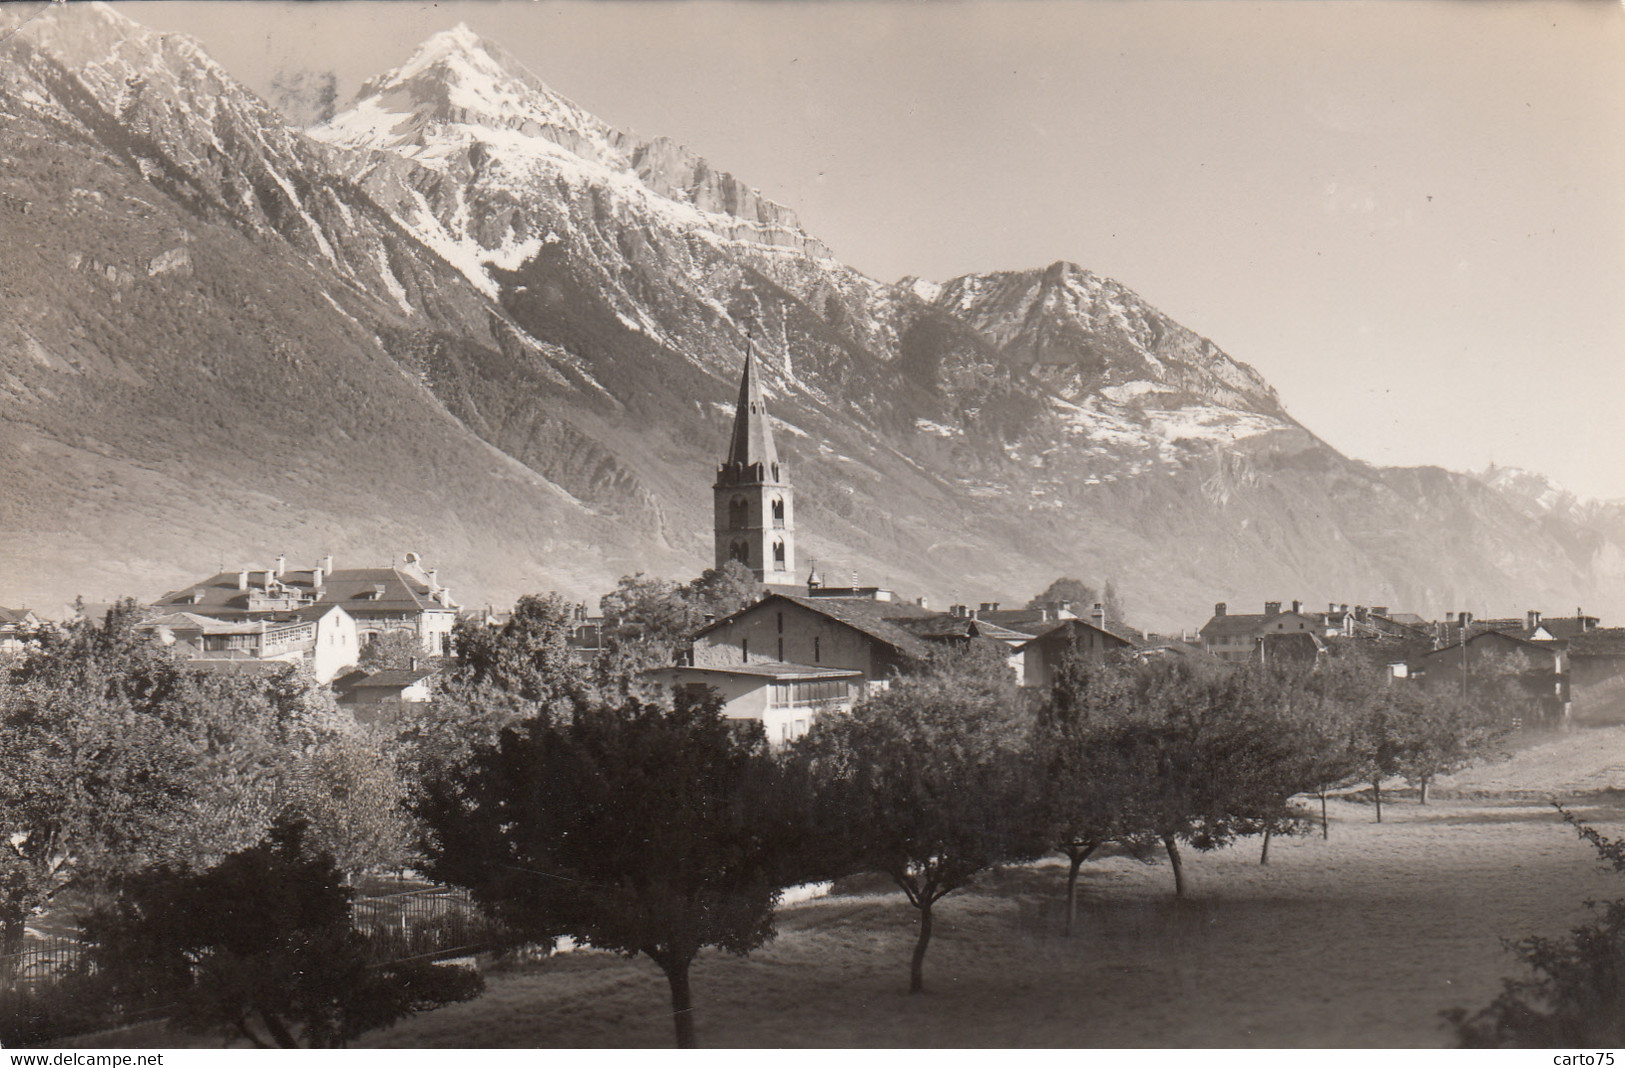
{"x": 1574, "y": 996}
{"x": 632, "y": 828}
{"x": 1322, "y": 731}
{"x": 352, "y": 801}
{"x": 1086, "y": 785}
{"x": 1358, "y": 698}
{"x": 261, "y": 947}
{"x": 1075, "y": 591}
{"x": 394, "y": 650}
{"x": 648, "y": 620}
{"x": 498, "y": 676}
{"x": 1443, "y": 734}
{"x": 114, "y": 755}
{"x": 1212, "y": 755}
{"x": 928, "y": 782}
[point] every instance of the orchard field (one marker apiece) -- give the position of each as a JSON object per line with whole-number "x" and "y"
{"x": 1358, "y": 940}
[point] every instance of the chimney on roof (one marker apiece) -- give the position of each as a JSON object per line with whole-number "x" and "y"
{"x": 1359, "y": 612}
{"x": 316, "y": 577}
{"x": 242, "y": 579}
{"x": 327, "y": 565}
{"x": 1099, "y": 614}
{"x": 1331, "y": 607}
{"x": 434, "y": 578}
{"x": 1219, "y": 609}
{"x": 1380, "y": 610}
{"x": 1450, "y": 617}
{"x": 1297, "y": 606}
{"x": 1343, "y": 608}
{"x": 270, "y": 574}
{"x": 281, "y": 565}
{"x": 922, "y": 602}
{"x": 411, "y": 663}
{"x": 1533, "y": 619}
{"x": 1272, "y": 609}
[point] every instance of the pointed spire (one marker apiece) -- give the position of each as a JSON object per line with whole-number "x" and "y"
{"x": 752, "y": 441}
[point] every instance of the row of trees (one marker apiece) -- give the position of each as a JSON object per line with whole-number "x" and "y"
{"x": 644, "y": 829}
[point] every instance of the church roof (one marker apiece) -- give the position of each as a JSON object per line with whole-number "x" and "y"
{"x": 752, "y": 441}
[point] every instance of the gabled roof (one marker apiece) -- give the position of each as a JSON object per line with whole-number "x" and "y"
{"x": 1185, "y": 650}
{"x": 880, "y": 620}
{"x": 946, "y": 626}
{"x": 1544, "y": 647}
{"x": 1568, "y": 626}
{"x": 356, "y": 589}
{"x": 16, "y": 615}
{"x": 394, "y": 678}
{"x": 201, "y": 623}
{"x": 1033, "y": 620}
{"x": 769, "y": 669}
{"x": 1235, "y": 625}
{"x": 1069, "y": 628}
{"x": 1605, "y": 641}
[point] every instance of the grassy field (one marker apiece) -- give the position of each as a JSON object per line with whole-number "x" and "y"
{"x": 1359, "y": 940}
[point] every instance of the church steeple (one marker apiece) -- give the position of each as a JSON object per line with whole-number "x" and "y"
{"x": 754, "y": 505}
{"x": 752, "y": 442}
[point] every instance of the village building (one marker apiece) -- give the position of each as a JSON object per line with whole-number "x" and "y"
{"x": 379, "y": 599}
{"x": 786, "y": 698}
{"x": 1091, "y": 641}
{"x": 14, "y": 626}
{"x": 378, "y": 697}
{"x": 1541, "y": 669}
{"x": 1597, "y": 675}
{"x": 324, "y": 637}
{"x": 1236, "y": 637}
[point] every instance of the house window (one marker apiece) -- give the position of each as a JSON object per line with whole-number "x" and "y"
{"x": 744, "y": 650}
{"x": 817, "y": 649}
{"x": 781, "y": 649}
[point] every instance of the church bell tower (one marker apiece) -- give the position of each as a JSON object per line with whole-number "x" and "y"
{"x": 755, "y": 510}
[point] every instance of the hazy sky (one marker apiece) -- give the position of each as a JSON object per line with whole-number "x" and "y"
{"x": 1409, "y": 216}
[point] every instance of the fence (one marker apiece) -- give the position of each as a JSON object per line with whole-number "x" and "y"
{"x": 43, "y": 991}
{"x": 41, "y": 960}
{"x": 423, "y": 925}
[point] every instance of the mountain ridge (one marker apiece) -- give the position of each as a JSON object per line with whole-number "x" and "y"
{"x": 572, "y": 330}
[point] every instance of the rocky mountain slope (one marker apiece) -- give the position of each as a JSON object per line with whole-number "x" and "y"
{"x": 468, "y": 318}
